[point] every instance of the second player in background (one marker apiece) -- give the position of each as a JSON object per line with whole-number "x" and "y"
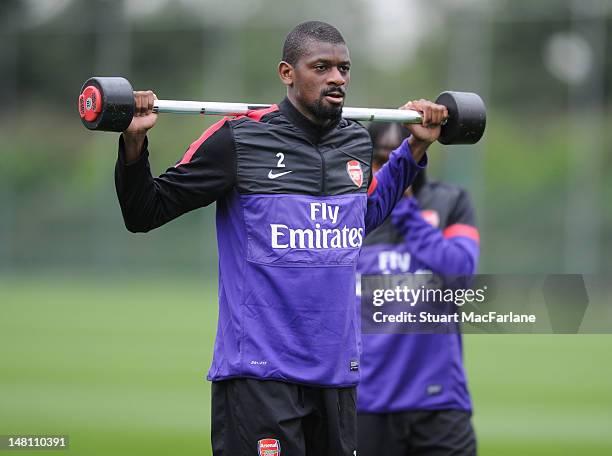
{"x": 413, "y": 397}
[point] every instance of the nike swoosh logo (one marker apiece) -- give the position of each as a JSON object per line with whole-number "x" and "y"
{"x": 274, "y": 176}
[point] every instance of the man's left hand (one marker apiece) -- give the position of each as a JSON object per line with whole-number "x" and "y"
{"x": 433, "y": 116}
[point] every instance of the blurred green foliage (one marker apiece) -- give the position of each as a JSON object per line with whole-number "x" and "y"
{"x": 57, "y": 199}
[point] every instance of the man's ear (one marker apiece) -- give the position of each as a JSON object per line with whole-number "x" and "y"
{"x": 285, "y": 72}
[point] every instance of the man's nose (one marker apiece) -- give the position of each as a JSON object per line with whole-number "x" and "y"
{"x": 336, "y": 77}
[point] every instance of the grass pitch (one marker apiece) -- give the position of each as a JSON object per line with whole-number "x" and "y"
{"x": 119, "y": 367}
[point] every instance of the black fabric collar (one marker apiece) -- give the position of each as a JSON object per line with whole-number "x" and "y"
{"x": 313, "y": 131}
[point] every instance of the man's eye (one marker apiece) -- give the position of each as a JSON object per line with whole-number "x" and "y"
{"x": 320, "y": 67}
{"x": 345, "y": 68}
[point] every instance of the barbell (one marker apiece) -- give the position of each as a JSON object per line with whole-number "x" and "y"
{"x": 107, "y": 104}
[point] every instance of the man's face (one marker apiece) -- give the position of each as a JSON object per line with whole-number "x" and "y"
{"x": 385, "y": 144}
{"x": 320, "y": 79}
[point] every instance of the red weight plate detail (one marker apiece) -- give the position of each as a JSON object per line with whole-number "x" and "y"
{"x": 90, "y": 103}
{"x": 81, "y": 106}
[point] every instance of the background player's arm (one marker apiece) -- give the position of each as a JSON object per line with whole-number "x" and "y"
{"x": 206, "y": 172}
{"x": 453, "y": 251}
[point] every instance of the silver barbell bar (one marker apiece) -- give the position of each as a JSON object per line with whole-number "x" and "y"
{"x": 237, "y": 109}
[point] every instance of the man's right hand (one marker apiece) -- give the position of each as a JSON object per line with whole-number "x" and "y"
{"x": 144, "y": 119}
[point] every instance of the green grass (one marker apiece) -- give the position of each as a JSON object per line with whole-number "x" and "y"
{"x": 541, "y": 394}
{"x": 119, "y": 366}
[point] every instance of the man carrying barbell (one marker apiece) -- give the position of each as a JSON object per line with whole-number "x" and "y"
{"x": 295, "y": 198}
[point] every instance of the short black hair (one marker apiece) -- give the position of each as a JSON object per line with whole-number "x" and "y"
{"x": 302, "y": 34}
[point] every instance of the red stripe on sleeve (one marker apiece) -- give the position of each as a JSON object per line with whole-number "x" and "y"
{"x": 257, "y": 114}
{"x": 460, "y": 230}
{"x": 373, "y": 185}
{"x": 195, "y": 145}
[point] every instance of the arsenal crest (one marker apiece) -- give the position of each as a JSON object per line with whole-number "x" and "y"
{"x": 431, "y": 217}
{"x": 353, "y": 168}
{"x": 268, "y": 447}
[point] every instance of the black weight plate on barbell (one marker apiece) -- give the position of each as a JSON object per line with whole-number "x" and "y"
{"x": 117, "y": 104}
{"x": 467, "y": 118}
